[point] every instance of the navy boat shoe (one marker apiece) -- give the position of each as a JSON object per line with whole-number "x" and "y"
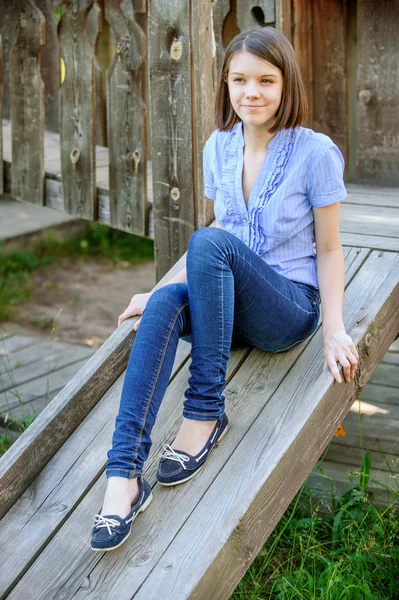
{"x": 111, "y": 531}
{"x": 177, "y": 466}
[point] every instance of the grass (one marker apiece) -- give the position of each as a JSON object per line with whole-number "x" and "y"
{"x": 18, "y": 267}
{"x": 346, "y": 548}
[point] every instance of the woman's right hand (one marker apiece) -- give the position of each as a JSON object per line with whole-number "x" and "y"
{"x": 136, "y": 307}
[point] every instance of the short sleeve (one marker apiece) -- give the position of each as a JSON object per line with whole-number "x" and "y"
{"x": 325, "y": 177}
{"x": 208, "y": 173}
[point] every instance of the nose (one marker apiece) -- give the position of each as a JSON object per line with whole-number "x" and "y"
{"x": 252, "y": 89}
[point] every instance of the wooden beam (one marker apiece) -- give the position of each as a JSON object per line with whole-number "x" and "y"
{"x": 126, "y": 123}
{"x": 78, "y": 30}
{"x": 27, "y": 106}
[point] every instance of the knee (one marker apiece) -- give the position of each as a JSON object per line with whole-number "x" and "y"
{"x": 168, "y": 297}
{"x": 206, "y": 241}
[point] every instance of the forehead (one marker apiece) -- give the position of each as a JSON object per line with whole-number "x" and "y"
{"x": 245, "y": 62}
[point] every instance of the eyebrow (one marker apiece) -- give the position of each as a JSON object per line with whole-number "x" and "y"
{"x": 270, "y": 74}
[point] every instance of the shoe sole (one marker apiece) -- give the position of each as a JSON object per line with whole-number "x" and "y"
{"x": 144, "y": 506}
{"x": 199, "y": 468}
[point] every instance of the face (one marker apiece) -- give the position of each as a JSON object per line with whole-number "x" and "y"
{"x": 255, "y": 88}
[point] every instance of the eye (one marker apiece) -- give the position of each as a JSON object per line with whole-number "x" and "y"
{"x": 238, "y": 79}
{"x": 266, "y": 81}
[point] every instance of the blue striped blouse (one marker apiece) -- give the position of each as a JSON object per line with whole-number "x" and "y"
{"x": 302, "y": 169}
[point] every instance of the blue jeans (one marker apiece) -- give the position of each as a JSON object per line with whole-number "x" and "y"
{"x": 232, "y": 299}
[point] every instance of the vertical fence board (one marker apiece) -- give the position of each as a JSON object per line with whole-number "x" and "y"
{"x": 126, "y": 123}
{"x": 78, "y": 30}
{"x": 221, "y": 9}
{"x": 50, "y": 66}
{"x": 27, "y": 106}
{"x": 252, "y": 12}
{"x": 8, "y": 30}
{"x": 329, "y": 81}
{"x": 378, "y": 92}
{"x": 302, "y": 42}
{"x": 204, "y": 88}
{"x": 1, "y": 120}
{"x": 171, "y": 130}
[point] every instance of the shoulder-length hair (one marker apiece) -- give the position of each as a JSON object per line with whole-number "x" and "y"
{"x": 271, "y": 45}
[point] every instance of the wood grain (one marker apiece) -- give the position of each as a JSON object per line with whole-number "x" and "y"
{"x": 50, "y": 65}
{"x": 126, "y": 123}
{"x": 27, "y": 106}
{"x": 170, "y": 91}
{"x": 78, "y": 30}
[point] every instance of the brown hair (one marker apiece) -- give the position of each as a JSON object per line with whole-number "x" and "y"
{"x": 271, "y": 45}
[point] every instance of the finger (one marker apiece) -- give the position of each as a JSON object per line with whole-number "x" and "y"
{"x": 334, "y": 370}
{"x": 136, "y": 325}
{"x": 347, "y": 373}
{"x": 354, "y": 351}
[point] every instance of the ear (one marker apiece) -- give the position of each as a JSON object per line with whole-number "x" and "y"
{"x": 225, "y": 77}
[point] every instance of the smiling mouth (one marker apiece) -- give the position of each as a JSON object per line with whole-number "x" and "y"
{"x": 252, "y": 106}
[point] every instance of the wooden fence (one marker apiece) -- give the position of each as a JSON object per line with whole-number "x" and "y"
{"x": 120, "y": 140}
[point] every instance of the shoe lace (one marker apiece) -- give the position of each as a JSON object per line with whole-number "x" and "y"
{"x": 171, "y": 454}
{"x": 100, "y": 521}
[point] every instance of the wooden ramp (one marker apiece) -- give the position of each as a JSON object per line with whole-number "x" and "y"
{"x": 196, "y": 540}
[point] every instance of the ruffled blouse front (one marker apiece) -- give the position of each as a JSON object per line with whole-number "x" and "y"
{"x": 301, "y": 170}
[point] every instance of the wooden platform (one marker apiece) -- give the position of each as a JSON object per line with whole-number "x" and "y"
{"x": 33, "y": 371}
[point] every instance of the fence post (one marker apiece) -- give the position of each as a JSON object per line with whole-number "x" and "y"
{"x": 78, "y": 31}
{"x": 27, "y": 106}
{"x": 180, "y": 96}
{"x": 126, "y": 123}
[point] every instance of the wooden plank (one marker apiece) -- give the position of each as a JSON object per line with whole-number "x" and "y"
{"x": 302, "y": 43}
{"x": 57, "y": 356}
{"x": 81, "y": 562}
{"x": 220, "y": 10}
{"x": 203, "y": 95}
{"x": 327, "y": 81}
{"x": 377, "y": 92}
{"x": 370, "y": 220}
{"x": 169, "y": 62}
{"x": 27, "y": 106}
{"x": 352, "y": 455}
{"x": 355, "y": 188}
{"x": 41, "y": 387}
{"x": 55, "y": 424}
{"x": 126, "y": 123}
{"x": 376, "y": 242}
{"x": 16, "y": 342}
{"x": 391, "y": 358}
{"x": 284, "y": 18}
{"x": 380, "y": 393}
{"x": 80, "y": 462}
{"x": 8, "y": 30}
{"x": 78, "y": 30}
{"x": 50, "y": 65}
{"x": 386, "y": 375}
{"x": 1, "y": 112}
{"x": 334, "y": 476}
{"x": 241, "y": 507}
{"x": 251, "y": 13}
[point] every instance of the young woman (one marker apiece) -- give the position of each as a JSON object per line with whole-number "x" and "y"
{"x": 254, "y": 280}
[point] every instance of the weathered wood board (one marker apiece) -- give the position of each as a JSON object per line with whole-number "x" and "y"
{"x": 27, "y": 106}
{"x": 78, "y": 30}
{"x": 126, "y": 123}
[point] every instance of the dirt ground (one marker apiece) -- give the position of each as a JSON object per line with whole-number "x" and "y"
{"x": 90, "y": 295}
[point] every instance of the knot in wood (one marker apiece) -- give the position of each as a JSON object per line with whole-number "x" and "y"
{"x": 365, "y": 96}
{"x": 175, "y": 193}
{"x": 136, "y": 157}
{"x": 118, "y": 48}
{"x": 75, "y": 155}
{"x": 367, "y": 339}
{"x": 176, "y": 49}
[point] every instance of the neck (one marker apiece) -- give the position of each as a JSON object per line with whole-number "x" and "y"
{"x": 257, "y": 137}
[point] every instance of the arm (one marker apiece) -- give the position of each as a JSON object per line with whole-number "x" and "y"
{"x": 337, "y": 345}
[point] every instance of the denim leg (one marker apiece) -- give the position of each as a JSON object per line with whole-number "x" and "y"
{"x": 164, "y": 320}
{"x": 230, "y": 286}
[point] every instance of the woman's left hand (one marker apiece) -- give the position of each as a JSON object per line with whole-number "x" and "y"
{"x": 339, "y": 347}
